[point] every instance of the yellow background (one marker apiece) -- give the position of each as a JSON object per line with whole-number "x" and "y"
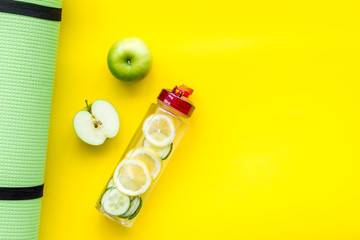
{"x": 272, "y": 151}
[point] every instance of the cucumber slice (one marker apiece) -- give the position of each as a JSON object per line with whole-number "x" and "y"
{"x": 137, "y": 210}
{"x": 163, "y": 152}
{"x": 110, "y": 184}
{"x": 114, "y": 202}
{"x": 133, "y": 209}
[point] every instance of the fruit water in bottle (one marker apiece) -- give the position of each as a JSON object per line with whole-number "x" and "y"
{"x": 146, "y": 156}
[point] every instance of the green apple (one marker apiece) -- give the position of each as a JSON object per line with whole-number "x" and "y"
{"x": 97, "y": 122}
{"x": 129, "y": 59}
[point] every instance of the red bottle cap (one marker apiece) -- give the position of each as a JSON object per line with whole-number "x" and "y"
{"x": 177, "y": 99}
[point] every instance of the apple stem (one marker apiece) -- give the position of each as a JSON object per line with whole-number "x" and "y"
{"x": 87, "y": 106}
{"x": 129, "y": 62}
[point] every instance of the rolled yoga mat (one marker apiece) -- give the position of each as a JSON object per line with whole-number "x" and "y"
{"x": 29, "y": 31}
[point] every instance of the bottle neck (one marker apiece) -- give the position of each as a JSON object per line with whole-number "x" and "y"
{"x": 172, "y": 110}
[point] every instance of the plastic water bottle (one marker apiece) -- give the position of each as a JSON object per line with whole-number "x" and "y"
{"x": 146, "y": 156}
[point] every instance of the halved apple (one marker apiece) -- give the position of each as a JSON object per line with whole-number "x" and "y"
{"x": 97, "y": 122}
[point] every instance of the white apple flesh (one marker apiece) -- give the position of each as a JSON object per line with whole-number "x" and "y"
{"x": 97, "y": 123}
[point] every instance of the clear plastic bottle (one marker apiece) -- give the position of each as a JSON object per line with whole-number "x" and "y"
{"x": 146, "y": 156}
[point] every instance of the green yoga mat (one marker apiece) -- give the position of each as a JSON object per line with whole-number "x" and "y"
{"x": 29, "y": 33}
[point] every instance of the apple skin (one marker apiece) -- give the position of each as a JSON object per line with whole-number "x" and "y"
{"x": 129, "y": 59}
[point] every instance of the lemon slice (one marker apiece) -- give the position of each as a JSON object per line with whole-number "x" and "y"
{"x": 152, "y": 160}
{"x": 159, "y": 130}
{"x": 132, "y": 177}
